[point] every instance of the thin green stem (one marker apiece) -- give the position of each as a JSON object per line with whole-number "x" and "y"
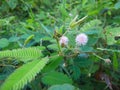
{"x": 8, "y": 65}
{"x": 110, "y": 50}
{"x": 98, "y": 57}
{"x": 58, "y": 46}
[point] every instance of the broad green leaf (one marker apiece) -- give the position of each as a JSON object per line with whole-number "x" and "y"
{"x": 117, "y": 5}
{"x": 54, "y": 63}
{"x": 93, "y": 68}
{"x": 4, "y": 42}
{"x": 3, "y": 76}
{"x": 84, "y": 2}
{"x": 23, "y": 75}
{"x": 86, "y": 48}
{"x": 92, "y": 41}
{"x": 63, "y": 87}
{"x": 82, "y": 61}
{"x": 115, "y": 62}
{"x": 76, "y": 72}
{"x": 53, "y": 46}
{"x": 12, "y": 3}
{"x": 14, "y": 39}
{"x": 110, "y": 40}
{"x": 111, "y": 33}
{"x": 53, "y": 78}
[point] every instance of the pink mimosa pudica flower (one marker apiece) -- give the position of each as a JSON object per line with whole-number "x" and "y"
{"x": 63, "y": 41}
{"x": 81, "y": 39}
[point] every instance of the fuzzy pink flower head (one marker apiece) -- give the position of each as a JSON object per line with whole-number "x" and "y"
{"x": 108, "y": 61}
{"x": 63, "y": 41}
{"x": 81, "y": 39}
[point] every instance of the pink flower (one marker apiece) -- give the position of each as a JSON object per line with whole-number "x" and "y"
{"x": 81, "y": 39}
{"x": 63, "y": 41}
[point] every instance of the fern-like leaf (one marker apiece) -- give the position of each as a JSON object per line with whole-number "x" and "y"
{"x": 111, "y": 33}
{"x": 18, "y": 79}
{"x": 91, "y": 27}
{"x": 24, "y": 54}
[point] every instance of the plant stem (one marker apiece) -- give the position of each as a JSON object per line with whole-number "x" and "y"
{"x": 98, "y": 57}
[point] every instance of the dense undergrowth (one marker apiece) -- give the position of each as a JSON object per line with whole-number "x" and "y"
{"x": 60, "y": 44}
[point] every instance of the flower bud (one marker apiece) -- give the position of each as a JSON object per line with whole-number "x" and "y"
{"x": 108, "y": 61}
{"x": 63, "y": 41}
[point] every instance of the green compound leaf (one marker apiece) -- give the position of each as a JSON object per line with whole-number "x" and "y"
{"x": 92, "y": 27}
{"x": 12, "y": 3}
{"x": 54, "y": 63}
{"x": 53, "y": 78}
{"x": 4, "y": 42}
{"x": 117, "y": 5}
{"x": 21, "y": 76}
{"x": 111, "y": 33}
{"x": 24, "y": 54}
{"x": 63, "y": 87}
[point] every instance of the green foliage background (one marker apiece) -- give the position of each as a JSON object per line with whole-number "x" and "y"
{"x": 29, "y": 44}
